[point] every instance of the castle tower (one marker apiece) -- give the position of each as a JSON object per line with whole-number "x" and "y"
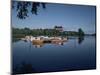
{"x": 59, "y": 28}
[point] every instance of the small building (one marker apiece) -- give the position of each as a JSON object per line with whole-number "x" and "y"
{"x": 59, "y": 28}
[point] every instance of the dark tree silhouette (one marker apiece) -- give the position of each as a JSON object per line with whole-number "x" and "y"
{"x": 23, "y": 8}
{"x": 80, "y": 35}
{"x": 80, "y": 31}
{"x": 80, "y": 39}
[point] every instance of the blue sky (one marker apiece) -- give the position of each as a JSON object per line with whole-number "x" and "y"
{"x": 71, "y": 17}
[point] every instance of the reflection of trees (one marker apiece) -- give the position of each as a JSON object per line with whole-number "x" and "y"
{"x": 80, "y": 39}
{"x": 80, "y": 35}
{"x": 24, "y": 68}
{"x": 15, "y": 40}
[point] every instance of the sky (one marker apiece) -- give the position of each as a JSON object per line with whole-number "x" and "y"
{"x": 70, "y": 17}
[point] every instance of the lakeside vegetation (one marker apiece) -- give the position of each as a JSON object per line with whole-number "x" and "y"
{"x": 19, "y": 33}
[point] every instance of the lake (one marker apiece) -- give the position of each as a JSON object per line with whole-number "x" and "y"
{"x": 74, "y": 54}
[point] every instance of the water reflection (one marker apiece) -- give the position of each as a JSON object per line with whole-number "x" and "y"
{"x": 24, "y": 68}
{"x": 37, "y": 44}
{"x": 80, "y": 39}
{"x": 41, "y": 44}
{"x": 75, "y": 53}
{"x": 14, "y": 40}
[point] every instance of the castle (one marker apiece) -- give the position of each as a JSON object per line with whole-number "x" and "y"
{"x": 59, "y": 28}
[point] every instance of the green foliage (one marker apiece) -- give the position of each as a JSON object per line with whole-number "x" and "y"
{"x": 19, "y": 33}
{"x": 23, "y": 8}
{"x": 70, "y": 33}
{"x": 80, "y": 32}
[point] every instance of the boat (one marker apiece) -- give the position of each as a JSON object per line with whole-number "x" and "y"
{"x": 45, "y": 39}
{"x": 37, "y": 40}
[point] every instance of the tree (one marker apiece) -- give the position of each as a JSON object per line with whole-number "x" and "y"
{"x": 80, "y": 35}
{"x": 80, "y": 32}
{"x": 23, "y": 8}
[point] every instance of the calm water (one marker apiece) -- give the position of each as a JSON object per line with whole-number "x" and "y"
{"x": 75, "y": 54}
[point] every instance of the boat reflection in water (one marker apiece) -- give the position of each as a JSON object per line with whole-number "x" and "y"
{"x": 37, "y": 43}
{"x": 41, "y": 43}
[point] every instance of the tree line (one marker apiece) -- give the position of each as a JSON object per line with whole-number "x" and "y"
{"x": 18, "y": 33}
